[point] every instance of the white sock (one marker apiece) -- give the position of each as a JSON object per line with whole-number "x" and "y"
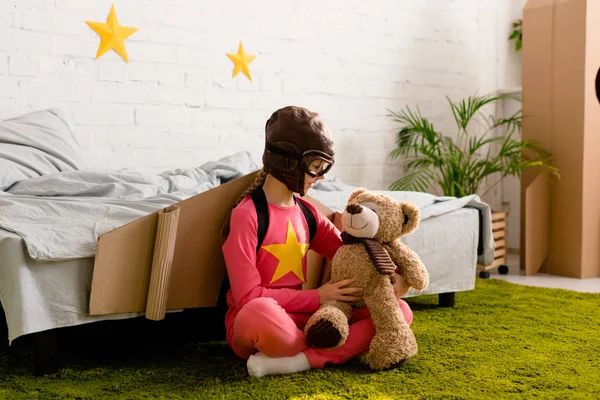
{"x": 261, "y": 365}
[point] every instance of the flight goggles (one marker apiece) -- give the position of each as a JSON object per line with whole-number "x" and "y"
{"x": 306, "y": 160}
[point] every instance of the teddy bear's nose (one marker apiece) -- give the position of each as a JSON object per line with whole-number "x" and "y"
{"x": 354, "y": 209}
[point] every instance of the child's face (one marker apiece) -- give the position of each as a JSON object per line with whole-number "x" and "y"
{"x": 309, "y": 180}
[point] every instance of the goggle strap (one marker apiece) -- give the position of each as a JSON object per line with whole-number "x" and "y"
{"x": 282, "y": 152}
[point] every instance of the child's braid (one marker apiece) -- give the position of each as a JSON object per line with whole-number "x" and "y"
{"x": 258, "y": 182}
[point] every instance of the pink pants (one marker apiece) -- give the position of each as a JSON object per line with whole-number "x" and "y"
{"x": 262, "y": 325}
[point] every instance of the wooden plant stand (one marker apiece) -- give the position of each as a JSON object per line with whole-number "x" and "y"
{"x": 499, "y": 234}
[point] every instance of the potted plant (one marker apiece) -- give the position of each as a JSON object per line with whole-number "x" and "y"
{"x": 517, "y": 34}
{"x": 484, "y": 147}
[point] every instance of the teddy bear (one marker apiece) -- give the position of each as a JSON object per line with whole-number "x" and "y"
{"x": 372, "y": 254}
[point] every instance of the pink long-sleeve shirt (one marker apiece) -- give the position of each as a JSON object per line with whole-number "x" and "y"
{"x": 278, "y": 270}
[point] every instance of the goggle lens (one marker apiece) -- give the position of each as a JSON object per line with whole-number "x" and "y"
{"x": 319, "y": 167}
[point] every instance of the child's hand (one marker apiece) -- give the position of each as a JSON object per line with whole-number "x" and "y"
{"x": 400, "y": 285}
{"x": 336, "y": 291}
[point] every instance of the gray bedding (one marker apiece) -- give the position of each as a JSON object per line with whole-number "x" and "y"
{"x": 60, "y": 216}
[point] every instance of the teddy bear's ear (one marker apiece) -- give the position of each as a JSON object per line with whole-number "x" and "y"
{"x": 355, "y": 193}
{"x": 412, "y": 217}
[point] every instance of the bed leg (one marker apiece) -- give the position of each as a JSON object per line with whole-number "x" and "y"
{"x": 45, "y": 350}
{"x": 446, "y": 299}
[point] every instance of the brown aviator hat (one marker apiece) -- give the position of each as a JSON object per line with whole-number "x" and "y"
{"x": 295, "y": 137}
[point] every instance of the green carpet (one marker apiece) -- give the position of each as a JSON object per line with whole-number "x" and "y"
{"x": 501, "y": 341}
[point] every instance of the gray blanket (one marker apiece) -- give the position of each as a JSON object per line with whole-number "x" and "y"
{"x": 61, "y": 216}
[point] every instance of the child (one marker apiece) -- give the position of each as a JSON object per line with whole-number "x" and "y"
{"x": 268, "y": 308}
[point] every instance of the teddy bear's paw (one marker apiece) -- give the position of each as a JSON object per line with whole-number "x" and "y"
{"x": 327, "y": 328}
{"x": 323, "y": 335}
{"x": 386, "y": 353}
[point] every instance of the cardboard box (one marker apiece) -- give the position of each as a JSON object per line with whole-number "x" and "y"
{"x": 561, "y": 57}
{"x": 172, "y": 259}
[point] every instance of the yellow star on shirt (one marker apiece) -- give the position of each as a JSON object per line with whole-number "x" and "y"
{"x": 113, "y": 35}
{"x": 290, "y": 255}
{"x": 241, "y": 61}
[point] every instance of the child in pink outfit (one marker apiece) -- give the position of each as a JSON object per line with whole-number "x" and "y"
{"x": 268, "y": 308}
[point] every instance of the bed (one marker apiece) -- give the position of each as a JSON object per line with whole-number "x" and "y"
{"x": 54, "y": 205}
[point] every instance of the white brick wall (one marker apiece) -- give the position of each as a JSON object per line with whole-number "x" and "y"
{"x": 176, "y": 105}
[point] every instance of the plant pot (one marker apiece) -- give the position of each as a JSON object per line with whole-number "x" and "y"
{"x": 499, "y": 235}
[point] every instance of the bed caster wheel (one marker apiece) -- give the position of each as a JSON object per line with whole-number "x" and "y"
{"x": 503, "y": 269}
{"x": 484, "y": 274}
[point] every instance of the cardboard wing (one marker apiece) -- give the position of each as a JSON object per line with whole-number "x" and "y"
{"x": 172, "y": 259}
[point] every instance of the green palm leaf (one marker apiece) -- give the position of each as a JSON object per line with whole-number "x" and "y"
{"x": 459, "y": 167}
{"x": 415, "y": 181}
{"x": 466, "y": 109}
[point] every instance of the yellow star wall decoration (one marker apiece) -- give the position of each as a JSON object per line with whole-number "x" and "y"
{"x": 113, "y": 35}
{"x": 289, "y": 254}
{"x": 241, "y": 60}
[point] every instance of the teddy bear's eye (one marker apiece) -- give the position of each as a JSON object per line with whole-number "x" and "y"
{"x": 392, "y": 279}
{"x": 371, "y": 206}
